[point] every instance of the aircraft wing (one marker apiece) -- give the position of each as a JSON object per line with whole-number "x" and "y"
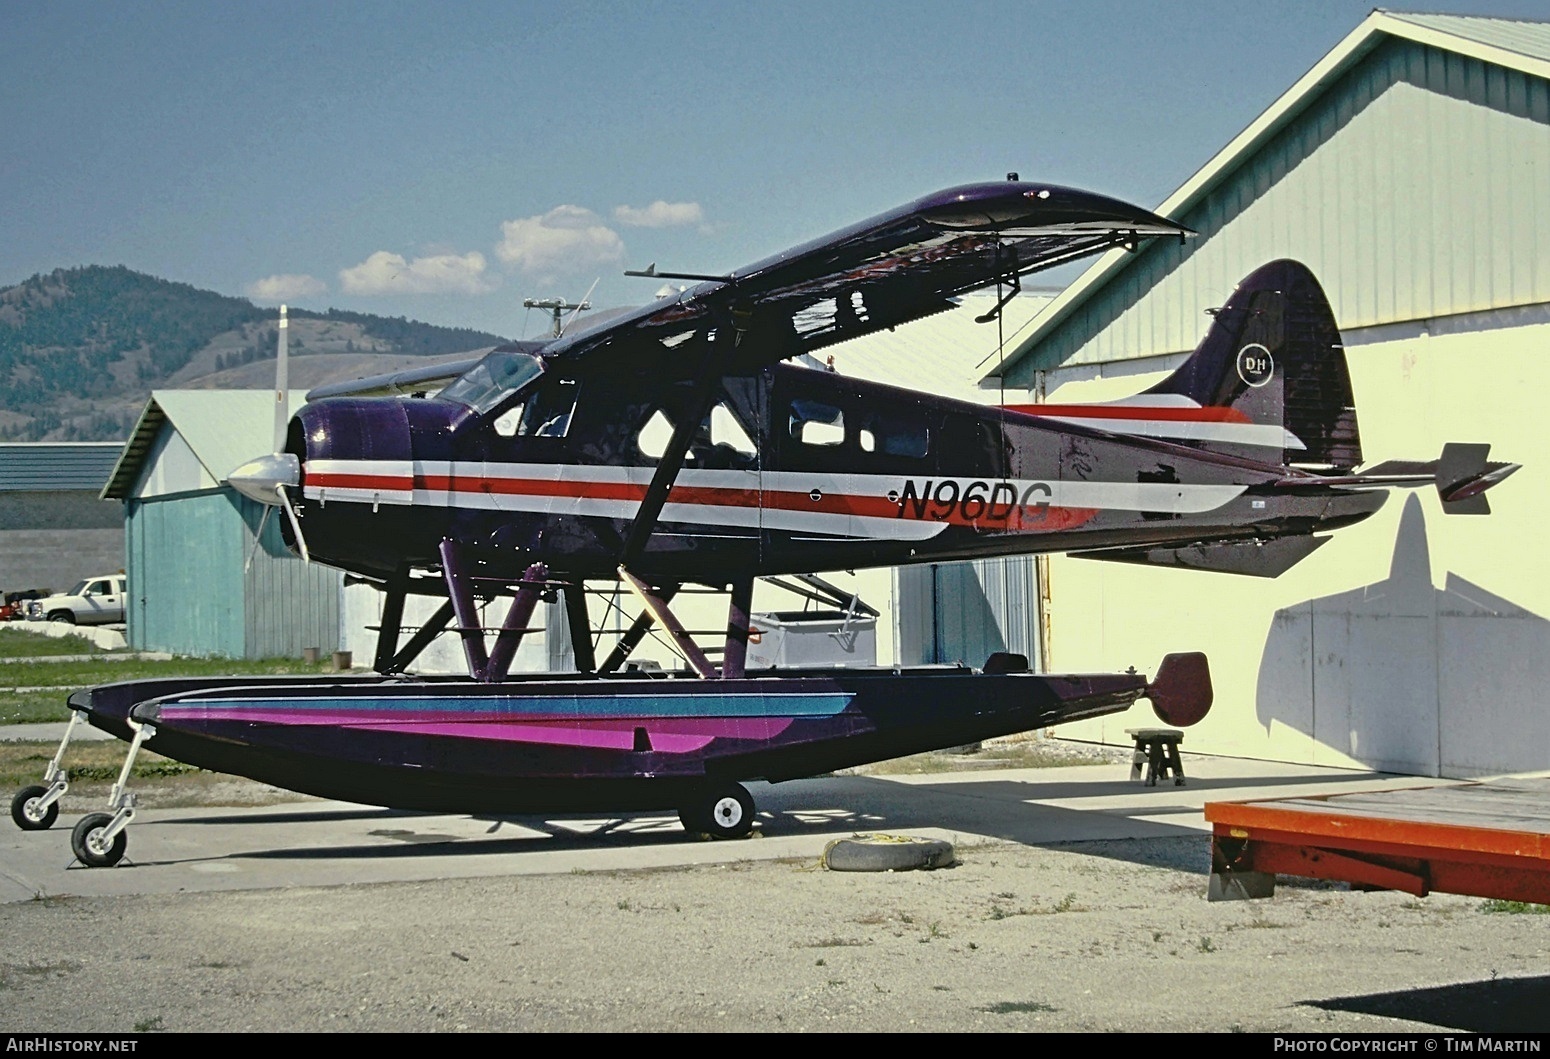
{"x": 431, "y": 377}
{"x": 896, "y": 267}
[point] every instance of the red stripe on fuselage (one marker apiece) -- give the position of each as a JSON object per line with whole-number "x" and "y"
{"x": 1035, "y": 518}
{"x": 1132, "y": 412}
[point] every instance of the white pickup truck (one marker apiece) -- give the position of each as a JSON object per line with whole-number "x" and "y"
{"x": 95, "y": 601}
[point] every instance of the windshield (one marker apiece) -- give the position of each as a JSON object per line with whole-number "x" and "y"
{"x": 79, "y": 588}
{"x": 494, "y": 377}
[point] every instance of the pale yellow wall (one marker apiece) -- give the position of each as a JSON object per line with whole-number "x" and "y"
{"x": 1431, "y": 658}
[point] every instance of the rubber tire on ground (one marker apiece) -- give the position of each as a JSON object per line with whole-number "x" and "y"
{"x": 723, "y": 810}
{"x": 64, "y": 617}
{"x": 28, "y": 821}
{"x": 888, "y": 853}
{"x": 85, "y": 829}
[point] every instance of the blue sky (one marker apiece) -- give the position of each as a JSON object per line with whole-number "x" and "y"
{"x": 445, "y": 161}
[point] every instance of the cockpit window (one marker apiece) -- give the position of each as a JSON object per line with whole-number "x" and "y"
{"x": 496, "y": 376}
{"x": 816, "y": 423}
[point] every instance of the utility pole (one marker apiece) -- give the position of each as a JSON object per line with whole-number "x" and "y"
{"x": 556, "y": 306}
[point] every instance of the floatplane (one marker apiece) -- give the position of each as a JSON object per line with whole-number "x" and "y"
{"x": 685, "y": 444}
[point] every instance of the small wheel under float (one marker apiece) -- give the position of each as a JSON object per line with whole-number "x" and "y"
{"x": 888, "y": 853}
{"x": 722, "y": 810}
{"x": 29, "y": 814}
{"x": 91, "y": 846}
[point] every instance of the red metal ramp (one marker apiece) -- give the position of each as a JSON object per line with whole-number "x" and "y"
{"x": 1486, "y": 839}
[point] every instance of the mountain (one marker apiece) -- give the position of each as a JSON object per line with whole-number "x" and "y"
{"x": 82, "y": 348}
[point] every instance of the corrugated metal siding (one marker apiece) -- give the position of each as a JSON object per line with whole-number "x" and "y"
{"x": 56, "y": 467}
{"x": 185, "y": 575}
{"x": 1417, "y": 186}
{"x": 290, "y": 605}
{"x": 189, "y": 593}
{"x": 964, "y": 612}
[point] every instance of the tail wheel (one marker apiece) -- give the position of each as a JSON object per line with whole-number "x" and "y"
{"x": 721, "y": 811}
{"x": 89, "y": 845}
{"x": 26, "y": 813}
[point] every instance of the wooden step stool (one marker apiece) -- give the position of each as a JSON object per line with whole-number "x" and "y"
{"x": 1158, "y": 749}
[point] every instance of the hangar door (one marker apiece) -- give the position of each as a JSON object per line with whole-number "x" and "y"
{"x": 964, "y": 612}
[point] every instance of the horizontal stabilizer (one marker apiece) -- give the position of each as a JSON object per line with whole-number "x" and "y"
{"x": 1268, "y": 558}
{"x": 1463, "y": 476}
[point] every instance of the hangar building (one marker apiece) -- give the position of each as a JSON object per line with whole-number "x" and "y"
{"x": 1410, "y": 169}
{"x": 198, "y": 584}
{"x": 54, "y": 528}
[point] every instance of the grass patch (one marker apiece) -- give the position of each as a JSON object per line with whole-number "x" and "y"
{"x": 159, "y": 782}
{"x": 51, "y": 683}
{"x": 34, "y": 707}
{"x": 1514, "y": 908}
{"x": 24, "y": 643}
{"x": 22, "y": 763}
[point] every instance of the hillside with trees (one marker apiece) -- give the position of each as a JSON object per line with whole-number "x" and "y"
{"x": 81, "y": 348}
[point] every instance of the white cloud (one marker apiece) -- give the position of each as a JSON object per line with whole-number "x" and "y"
{"x": 286, "y": 287}
{"x": 387, "y": 273}
{"x": 566, "y": 239}
{"x": 660, "y": 214}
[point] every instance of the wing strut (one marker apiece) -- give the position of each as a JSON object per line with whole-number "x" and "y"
{"x": 580, "y": 627}
{"x": 462, "y": 598}
{"x": 658, "y": 609}
{"x": 636, "y": 632}
{"x": 677, "y": 447}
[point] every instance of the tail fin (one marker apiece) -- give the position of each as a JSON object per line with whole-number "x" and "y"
{"x": 1274, "y": 358}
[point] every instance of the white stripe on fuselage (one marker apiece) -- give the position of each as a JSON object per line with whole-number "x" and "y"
{"x": 865, "y": 506}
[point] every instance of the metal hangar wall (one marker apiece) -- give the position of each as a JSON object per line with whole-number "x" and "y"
{"x": 198, "y": 584}
{"x": 54, "y": 528}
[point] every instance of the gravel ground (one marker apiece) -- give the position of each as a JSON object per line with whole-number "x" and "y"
{"x": 1089, "y": 936}
{"x": 1097, "y": 936}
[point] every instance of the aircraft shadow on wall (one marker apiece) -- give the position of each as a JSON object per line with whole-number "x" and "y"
{"x": 1406, "y": 677}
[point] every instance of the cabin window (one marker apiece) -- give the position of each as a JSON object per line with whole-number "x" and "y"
{"x": 655, "y": 435}
{"x": 816, "y": 423}
{"x": 722, "y": 440}
{"x": 726, "y": 430}
{"x": 894, "y": 437}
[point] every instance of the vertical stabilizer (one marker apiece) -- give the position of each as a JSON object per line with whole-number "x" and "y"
{"x": 1273, "y": 357}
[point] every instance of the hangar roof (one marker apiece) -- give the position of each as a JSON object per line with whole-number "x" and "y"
{"x": 55, "y": 466}
{"x": 224, "y": 428}
{"x": 1521, "y": 46}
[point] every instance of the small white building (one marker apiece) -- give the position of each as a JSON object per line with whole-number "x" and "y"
{"x": 209, "y": 574}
